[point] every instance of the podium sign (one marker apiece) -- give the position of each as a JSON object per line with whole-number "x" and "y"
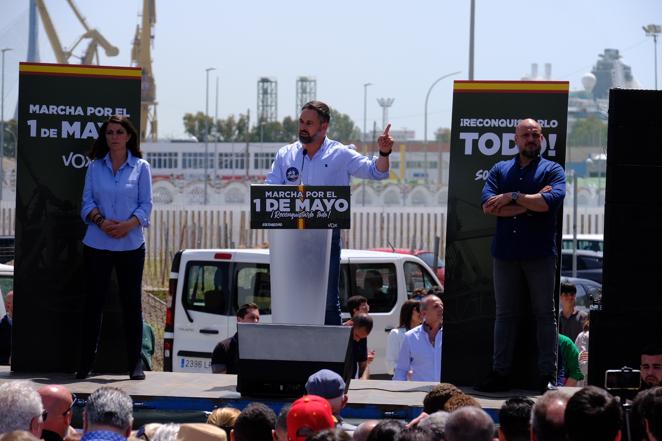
{"x": 300, "y": 207}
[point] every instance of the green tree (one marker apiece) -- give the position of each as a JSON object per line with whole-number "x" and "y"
{"x": 269, "y": 131}
{"x": 194, "y": 124}
{"x": 589, "y": 132}
{"x": 342, "y": 128}
{"x": 232, "y": 129}
{"x": 290, "y": 128}
{"x": 443, "y": 134}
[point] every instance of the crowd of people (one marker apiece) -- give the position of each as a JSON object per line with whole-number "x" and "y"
{"x": 589, "y": 414}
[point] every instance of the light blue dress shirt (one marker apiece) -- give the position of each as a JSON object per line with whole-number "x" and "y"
{"x": 420, "y": 356}
{"x": 333, "y": 164}
{"x": 118, "y": 196}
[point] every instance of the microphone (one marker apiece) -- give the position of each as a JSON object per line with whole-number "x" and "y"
{"x": 303, "y": 161}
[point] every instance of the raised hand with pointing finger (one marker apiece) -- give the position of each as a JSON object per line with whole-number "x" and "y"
{"x": 385, "y": 142}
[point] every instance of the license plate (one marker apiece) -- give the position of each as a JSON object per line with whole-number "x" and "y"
{"x": 190, "y": 364}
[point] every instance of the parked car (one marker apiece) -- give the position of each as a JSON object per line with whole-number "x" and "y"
{"x": 208, "y": 286}
{"x": 425, "y": 255}
{"x": 589, "y": 264}
{"x": 587, "y": 290}
{"x": 588, "y": 242}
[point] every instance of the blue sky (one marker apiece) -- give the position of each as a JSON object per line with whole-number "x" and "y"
{"x": 399, "y": 46}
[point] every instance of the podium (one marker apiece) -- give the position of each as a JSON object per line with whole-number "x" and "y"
{"x": 300, "y": 219}
{"x": 299, "y": 268}
{"x": 276, "y": 359}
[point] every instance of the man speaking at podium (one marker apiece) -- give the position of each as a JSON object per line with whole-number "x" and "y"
{"x": 318, "y": 160}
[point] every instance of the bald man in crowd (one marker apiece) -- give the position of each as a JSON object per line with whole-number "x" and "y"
{"x": 58, "y": 402}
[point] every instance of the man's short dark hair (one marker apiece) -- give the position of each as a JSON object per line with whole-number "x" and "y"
{"x": 255, "y": 423}
{"x": 515, "y": 418}
{"x": 568, "y": 288}
{"x": 335, "y": 434}
{"x": 355, "y": 302}
{"x": 647, "y": 408}
{"x": 437, "y": 397}
{"x": 386, "y": 430}
{"x": 547, "y": 416}
{"x": 243, "y": 309}
{"x": 281, "y": 420}
{"x": 652, "y": 349}
{"x": 363, "y": 321}
{"x": 321, "y": 108}
{"x": 592, "y": 414}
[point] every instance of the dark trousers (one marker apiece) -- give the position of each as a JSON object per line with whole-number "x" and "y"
{"x": 98, "y": 268}
{"x": 332, "y": 315}
{"x": 513, "y": 281}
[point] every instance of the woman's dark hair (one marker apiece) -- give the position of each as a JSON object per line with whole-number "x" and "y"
{"x": 406, "y": 311}
{"x": 386, "y": 430}
{"x": 100, "y": 147}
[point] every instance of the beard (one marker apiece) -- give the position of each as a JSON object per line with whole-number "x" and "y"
{"x": 531, "y": 154}
{"x": 306, "y": 137}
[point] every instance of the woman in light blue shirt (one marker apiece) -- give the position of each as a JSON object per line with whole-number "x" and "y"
{"x": 116, "y": 206}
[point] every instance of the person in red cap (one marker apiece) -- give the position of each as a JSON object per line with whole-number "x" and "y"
{"x": 308, "y": 415}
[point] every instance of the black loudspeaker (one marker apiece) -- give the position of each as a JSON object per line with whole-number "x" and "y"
{"x": 631, "y": 306}
{"x": 276, "y": 360}
{"x": 617, "y": 339}
{"x": 634, "y": 125}
{"x": 633, "y": 205}
{"x": 631, "y": 260}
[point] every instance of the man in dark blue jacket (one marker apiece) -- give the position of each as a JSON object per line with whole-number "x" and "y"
{"x": 525, "y": 194}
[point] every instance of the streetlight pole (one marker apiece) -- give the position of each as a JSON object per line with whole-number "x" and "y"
{"x": 206, "y": 160}
{"x": 472, "y": 22}
{"x": 363, "y": 134}
{"x": 365, "y": 109}
{"x": 425, "y": 125}
{"x": 653, "y": 30}
{"x": 2, "y": 121}
{"x": 216, "y": 137}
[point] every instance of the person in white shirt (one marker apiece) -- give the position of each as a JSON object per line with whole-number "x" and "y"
{"x": 318, "y": 160}
{"x": 410, "y": 317}
{"x": 420, "y": 354}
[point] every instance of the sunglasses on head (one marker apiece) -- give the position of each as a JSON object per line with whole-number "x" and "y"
{"x": 74, "y": 400}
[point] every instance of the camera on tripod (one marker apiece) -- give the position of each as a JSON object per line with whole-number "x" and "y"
{"x": 623, "y": 379}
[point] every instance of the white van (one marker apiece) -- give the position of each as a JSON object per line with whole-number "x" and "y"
{"x": 208, "y": 286}
{"x": 587, "y": 242}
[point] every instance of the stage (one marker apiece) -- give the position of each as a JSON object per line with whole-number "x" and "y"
{"x": 169, "y": 396}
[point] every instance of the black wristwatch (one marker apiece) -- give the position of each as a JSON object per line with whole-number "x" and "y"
{"x": 514, "y": 196}
{"x": 385, "y": 154}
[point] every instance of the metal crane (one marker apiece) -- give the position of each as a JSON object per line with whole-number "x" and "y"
{"x": 97, "y": 40}
{"x": 141, "y": 55}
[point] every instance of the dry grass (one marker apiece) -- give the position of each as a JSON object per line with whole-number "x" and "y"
{"x": 155, "y": 291}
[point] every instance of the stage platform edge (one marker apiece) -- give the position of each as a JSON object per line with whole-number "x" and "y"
{"x": 164, "y": 392}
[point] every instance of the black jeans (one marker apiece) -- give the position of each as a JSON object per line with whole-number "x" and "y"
{"x": 332, "y": 313}
{"x": 98, "y": 268}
